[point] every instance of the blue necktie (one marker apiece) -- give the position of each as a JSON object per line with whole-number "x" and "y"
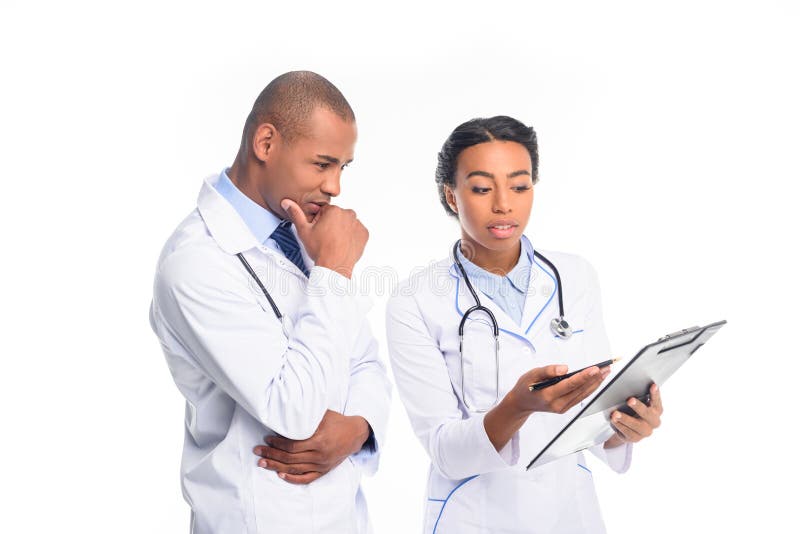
{"x": 288, "y": 244}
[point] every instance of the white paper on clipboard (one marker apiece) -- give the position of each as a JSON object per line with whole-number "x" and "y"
{"x": 654, "y": 363}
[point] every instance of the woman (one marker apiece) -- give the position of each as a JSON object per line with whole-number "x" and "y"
{"x": 475, "y": 414}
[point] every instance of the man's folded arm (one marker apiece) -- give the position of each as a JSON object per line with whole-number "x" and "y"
{"x": 282, "y": 382}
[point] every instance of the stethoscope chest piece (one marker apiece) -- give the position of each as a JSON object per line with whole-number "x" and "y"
{"x": 561, "y": 328}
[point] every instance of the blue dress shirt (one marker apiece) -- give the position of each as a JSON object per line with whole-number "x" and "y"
{"x": 260, "y": 221}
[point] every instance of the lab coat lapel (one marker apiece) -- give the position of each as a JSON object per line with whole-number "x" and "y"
{"x": 223, "y": 223}
{"x": 541, "y": 302}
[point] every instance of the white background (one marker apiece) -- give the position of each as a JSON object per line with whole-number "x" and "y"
{"x": 668, "y": 141}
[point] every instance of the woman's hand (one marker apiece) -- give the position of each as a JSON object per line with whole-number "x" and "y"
{"x": 559, "y": 397}
{"x": 633, "y": 429}
{"x": 502, "y": 421}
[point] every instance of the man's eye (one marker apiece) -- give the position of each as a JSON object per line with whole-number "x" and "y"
{"x": 521, "y": 188}
{"x": 322, "y": 164}
{"x": 480, "y": 190}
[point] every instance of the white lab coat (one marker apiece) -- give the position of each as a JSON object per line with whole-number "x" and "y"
{"x": 244, "y": 377}
{"x": 471, "y": 487}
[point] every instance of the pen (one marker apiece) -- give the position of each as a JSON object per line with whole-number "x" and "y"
{"x": 555, "y": 380}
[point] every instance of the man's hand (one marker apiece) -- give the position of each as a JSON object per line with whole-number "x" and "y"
{"x": 633, "y": 429}
{"x": 334, "y": 238}
{"x": 301, "y": 462}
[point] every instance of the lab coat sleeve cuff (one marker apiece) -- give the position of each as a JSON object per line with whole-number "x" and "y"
{"x": 510, "y": 452}
{"x": 480, "y": 458}
{"x": 369, "y": 396}
{"x": 368, "y": 456}
{"x": 494, "y": 459}
{"x": 618, "y": 458}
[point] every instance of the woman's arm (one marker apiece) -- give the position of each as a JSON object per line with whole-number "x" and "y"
{"x": 505, "y": 419}
{"x": 458, "y": 447}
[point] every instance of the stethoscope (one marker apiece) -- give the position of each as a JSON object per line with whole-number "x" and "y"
{"x": 275, "y": 309}
{"x": 558, "y": 326}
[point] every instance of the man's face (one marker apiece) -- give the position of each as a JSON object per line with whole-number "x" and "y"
{"x": 308, "y": 169}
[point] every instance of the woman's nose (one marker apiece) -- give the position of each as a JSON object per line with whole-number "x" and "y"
{"x": 500, "y": 204}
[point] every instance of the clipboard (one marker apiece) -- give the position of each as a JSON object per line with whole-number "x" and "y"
{"x": 654, "y": 363}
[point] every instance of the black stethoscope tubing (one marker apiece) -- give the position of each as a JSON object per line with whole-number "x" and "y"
{"x": 558, "y": 326}
{"x": 477, "y": 307}
{"x": 263, "y": 289}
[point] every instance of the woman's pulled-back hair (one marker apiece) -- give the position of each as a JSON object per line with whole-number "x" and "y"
{"x": 475, "y": 132}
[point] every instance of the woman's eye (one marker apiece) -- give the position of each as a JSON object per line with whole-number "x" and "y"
{"x": 480, "y": 190}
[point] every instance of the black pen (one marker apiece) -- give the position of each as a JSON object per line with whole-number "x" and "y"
{"x": 555, "y": 380}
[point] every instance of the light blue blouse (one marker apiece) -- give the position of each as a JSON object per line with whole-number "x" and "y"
{"x": 508, "y": 291}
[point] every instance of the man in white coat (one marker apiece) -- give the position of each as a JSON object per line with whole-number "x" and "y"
{"x": 264, "y": 332}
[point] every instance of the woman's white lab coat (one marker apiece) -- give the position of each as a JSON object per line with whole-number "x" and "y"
{"x": 471, "y": 487}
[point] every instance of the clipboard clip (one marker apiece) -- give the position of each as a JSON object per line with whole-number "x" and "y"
{"x": 679, "y": 333}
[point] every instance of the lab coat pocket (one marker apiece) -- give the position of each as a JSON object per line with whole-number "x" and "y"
{"x": 283, "y": 506}
{"x": 335, "y": 505}
{"x": 480, "y": 365}
{"x": 455, "y": 509}
{"x": 433, "y": 507}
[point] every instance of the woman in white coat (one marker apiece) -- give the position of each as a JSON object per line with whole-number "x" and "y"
{"x": 475, "y": 415}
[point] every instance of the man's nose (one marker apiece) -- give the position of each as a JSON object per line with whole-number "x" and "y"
{"x": 332, "y": 184}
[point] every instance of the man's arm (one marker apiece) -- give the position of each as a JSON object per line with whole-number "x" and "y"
{"x": 304, "y": 461}
{"x": 284, "y": 382}
{"x": 369, "y": 396}
{"x": 360, "y": 431}
{"x": 213, "y": 315}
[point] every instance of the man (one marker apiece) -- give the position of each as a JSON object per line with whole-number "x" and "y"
{"x": 300, "y": 366}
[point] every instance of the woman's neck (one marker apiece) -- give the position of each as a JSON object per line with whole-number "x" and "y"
{"x": 499, "y": 262}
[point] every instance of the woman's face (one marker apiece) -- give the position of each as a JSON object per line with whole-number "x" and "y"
{"x": 493, "y": 195}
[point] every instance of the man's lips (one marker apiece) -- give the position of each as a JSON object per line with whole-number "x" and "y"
{"x": 312, "y": 208}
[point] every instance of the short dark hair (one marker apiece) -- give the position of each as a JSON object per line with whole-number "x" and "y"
{"x": 288, "y": 101}
{"x": 475, "y": 132}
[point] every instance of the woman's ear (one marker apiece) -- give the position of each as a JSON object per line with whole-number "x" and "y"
{"x": 450, "y": 197}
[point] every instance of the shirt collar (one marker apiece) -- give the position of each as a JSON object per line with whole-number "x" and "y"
{"x": 260, "y": 221}
{"x": 519, "y": 276}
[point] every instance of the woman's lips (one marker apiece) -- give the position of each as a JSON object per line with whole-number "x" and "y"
{"x": 503, "y": 229}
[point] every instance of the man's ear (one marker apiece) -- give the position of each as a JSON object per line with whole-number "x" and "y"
{"x": 450, "y": 197}
{"x": 264, "y": 138}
